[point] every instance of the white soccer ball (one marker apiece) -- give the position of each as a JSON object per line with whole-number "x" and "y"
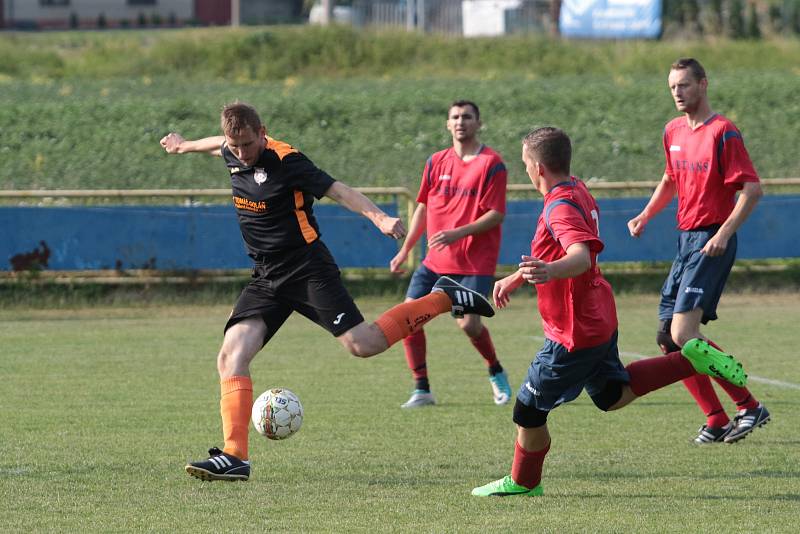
{"x": 277, "y": 414}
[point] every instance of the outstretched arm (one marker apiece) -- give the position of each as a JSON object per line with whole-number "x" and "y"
{"x": 662, "y": 196}
{"x": 748, "y": 198}
{"x": 358, "y": 203}
{"x": 174, "y": 143}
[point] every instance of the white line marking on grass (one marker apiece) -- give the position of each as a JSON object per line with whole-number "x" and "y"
{"x": 762, "y": 380}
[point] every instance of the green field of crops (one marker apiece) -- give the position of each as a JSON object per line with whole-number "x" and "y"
{"x": 274, "y": 52}
{"x": 366, "y": 132}
{"x": 103, "y": 406}
{"x": 86, "y": 110}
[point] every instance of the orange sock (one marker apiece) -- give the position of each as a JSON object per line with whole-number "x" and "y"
{"x": 235, "y": 406}
{"x": 408, "y": 317}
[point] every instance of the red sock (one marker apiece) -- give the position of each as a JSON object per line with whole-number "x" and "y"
{"x": 415, "y": 354}
{"x": 483, "y": 344}
{"x": 650, "y": 374}
{"x": 527, "y": 467}
{"x": 408, "y": 317}
{"x": 699, "y": 386}
{"x": 741, "y": 396}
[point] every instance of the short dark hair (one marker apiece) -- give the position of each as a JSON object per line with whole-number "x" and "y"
{"x": 694, "y": 66}
{"x": 464, "y": 103}
{"x": 239, "y": 116}
{"x": 550, "y": 146}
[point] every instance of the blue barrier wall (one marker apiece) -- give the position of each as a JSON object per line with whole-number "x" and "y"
{"x": 207, "y": 237}
{"x": 771, "y": 231}
{"x": 167, "y": 237}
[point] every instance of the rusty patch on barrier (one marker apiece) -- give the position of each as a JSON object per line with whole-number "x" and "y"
{"x": 34, "y": 260}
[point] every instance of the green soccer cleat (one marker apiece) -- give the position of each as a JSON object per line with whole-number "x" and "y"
{"x": 712, "y": 362}
{"x": 505, "y": 487}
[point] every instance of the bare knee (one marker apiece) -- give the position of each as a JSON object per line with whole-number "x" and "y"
{"x": 471, "y": 325}
{"x": 681, "y": 335}
{"x": 686, "y": 326}
{"x": 224, "y": 359}
{"x": 359, "y": 350}
{"x": 242, "y": 342}
{"x": 364, "y": 340}
{"x": 233, "y": 361}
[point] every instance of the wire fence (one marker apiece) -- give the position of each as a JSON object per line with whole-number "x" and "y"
{"x": 456, "y": 17}
{"x": 737, "y": 19}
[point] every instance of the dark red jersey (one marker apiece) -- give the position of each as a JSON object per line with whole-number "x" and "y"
{"x": 576, "y": 312}
{"x": 456, "y": 193}
{"x": 708, "y": 165}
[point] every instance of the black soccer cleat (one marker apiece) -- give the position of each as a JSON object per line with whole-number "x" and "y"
{"x": 746, "y": 421}
{"x": 220, "y": 466}
{"x": 463, "y": 299}
{"x": 709, "y": 434}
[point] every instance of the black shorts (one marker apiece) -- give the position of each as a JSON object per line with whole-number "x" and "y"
{"x": 308, "y": 281}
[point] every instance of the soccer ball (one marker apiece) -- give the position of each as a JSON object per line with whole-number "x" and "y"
{"x": 277, "y": 414}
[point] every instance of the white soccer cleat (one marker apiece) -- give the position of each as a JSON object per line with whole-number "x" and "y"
{"x": 501, "y": 389}
{"x": 419, "y": 398}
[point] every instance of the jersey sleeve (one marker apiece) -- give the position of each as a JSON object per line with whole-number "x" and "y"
{"x": 734, "y": 161}
{"x": 569, "y": 226}
{"x": 494, "y": 193}
{"x": 306, "y": 176}
{"x": 426, "y": 183}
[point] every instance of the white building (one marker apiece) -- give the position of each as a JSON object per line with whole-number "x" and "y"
{"x": 64, "y": 14}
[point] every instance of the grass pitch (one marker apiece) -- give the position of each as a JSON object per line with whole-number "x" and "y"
{"x": 103, "y": 407}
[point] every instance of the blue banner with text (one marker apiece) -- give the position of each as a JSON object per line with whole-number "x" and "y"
{"x": 611, "y": 19}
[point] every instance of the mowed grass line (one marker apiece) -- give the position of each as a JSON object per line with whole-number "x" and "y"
{"x": 102, "y": 408}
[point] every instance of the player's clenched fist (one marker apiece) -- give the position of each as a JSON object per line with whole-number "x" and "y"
{"x": 636, "y": 226}
{"x": 172, "y": 142}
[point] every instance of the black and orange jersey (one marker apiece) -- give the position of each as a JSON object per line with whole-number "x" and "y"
{"x": 274, "y": 198}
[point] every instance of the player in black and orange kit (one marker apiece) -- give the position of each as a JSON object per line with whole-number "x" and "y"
{"x": 274, "y": 186}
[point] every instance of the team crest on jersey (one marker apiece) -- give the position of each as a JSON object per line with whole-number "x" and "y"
{"x": 260, "y": 176}
{"x": 674, "y": 148}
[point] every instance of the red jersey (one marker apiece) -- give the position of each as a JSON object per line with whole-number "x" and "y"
{"x": 456, "y": 193}
{"x": 708, "y": 165}
{"x": 576, "y": 312}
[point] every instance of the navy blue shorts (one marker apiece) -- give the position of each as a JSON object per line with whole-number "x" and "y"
{"x": 557, "y": 376}
{"x": 696, "y": 280}
{"x": 423, "y": 279}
